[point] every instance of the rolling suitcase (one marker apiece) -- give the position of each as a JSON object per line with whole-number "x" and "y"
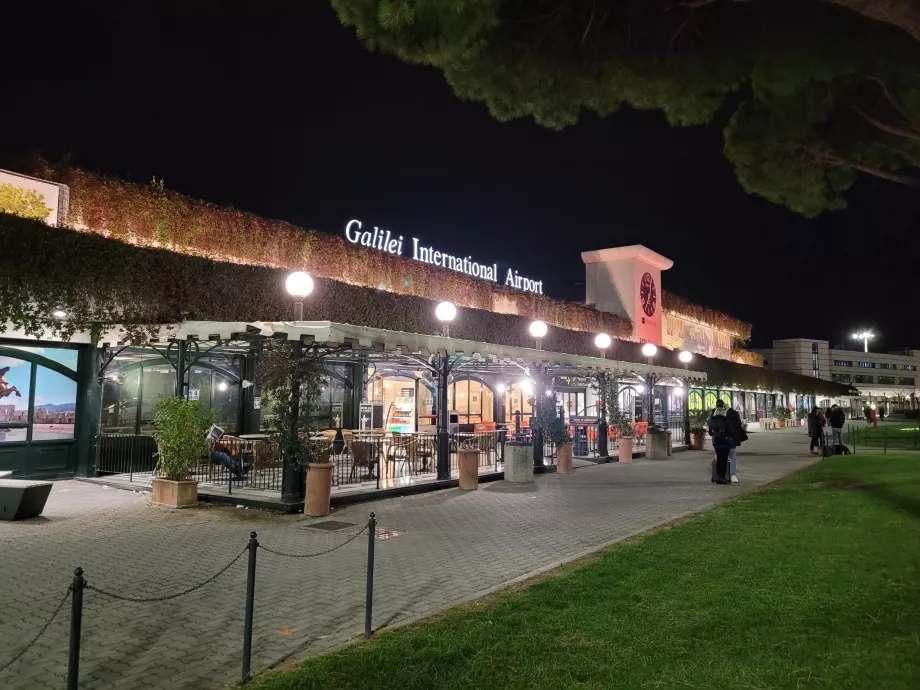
{"x": 720, "y": 467}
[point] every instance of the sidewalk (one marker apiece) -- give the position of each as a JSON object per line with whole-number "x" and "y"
{"x": 443, "y": 548}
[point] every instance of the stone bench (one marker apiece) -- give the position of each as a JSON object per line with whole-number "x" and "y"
{"x": 22, "y": 498}
{"x": 768, "y": 423}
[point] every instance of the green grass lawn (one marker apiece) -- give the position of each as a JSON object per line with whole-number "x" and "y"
{"x": 902, "y": 435}
{"x": 809, "y": 583}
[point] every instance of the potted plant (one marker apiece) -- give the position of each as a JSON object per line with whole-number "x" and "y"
{"x": 468, "y": 460}
{"x": 180, "y": 429}
{"x": 781, "y": 413}
{"x": 698, "y": 423}
{"x": 557, "y": 431}
{"x": 800, "y": 415}
{"x": 619, "y": 422}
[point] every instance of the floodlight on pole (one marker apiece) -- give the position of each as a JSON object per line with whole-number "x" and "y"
{"x": 299, "y": 285}
{"x": 864, "y": 336}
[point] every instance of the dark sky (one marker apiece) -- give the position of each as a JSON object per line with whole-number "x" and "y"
{"x": 273, "y": 107}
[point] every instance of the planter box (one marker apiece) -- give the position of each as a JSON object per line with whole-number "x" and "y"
{"x": 174, "y": 494}
{"x": 469, "y": 469}
{"x": 626, "y": 445}
{"x": 699, "y": 442}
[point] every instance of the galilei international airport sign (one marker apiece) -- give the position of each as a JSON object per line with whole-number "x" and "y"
{"x": 385, "y": 241}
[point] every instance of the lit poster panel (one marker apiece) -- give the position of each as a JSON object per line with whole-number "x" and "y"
{"x": 30, "y": 197}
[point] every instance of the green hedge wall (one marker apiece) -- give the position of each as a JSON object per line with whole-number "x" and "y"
{"x": 104, "y": 281}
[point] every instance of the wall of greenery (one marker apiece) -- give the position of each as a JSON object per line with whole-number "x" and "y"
{"x": 99, "y": 281}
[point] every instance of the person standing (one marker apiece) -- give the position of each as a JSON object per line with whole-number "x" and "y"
{"x": 836, "y": 417}
{"x": 739, "y": 436}
{"x": 720, "y": 430}
{"x": 881, "y": 413}
{"x": 867, "y": 413}
{"x": 816, "y": 431}
{"x": 873, "y": 418}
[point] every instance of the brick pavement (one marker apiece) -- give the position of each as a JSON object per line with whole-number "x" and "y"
{"x": 452, "y": 546}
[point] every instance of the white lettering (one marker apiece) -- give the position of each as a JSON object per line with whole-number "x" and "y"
{"x": 357, "y": 233}
{"x": 510, "y": 279}
{"x": 437, "y": 258}
{"x": 366, "y": 238}
{"x": 415, "y": 248}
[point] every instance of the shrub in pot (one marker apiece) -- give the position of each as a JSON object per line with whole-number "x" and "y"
{"x": 698, "y": 423}
{"x": 800, "y": 415}
{"x": 180, "y": 429}
{"x": 782, "y": 414}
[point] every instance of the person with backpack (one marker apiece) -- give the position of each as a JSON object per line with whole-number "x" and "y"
{"x": 720, "y": 428}
{"x": 836, "y": 417}
{"x": 739, "y": 436}
{"x": 816, "y": 431}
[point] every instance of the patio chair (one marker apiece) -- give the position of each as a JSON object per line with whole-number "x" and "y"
{"x": 424, "y": 451}
{"x": 404, "y": 451}
{"x": 363, "y": 455}
{"x": 265, "y": 456}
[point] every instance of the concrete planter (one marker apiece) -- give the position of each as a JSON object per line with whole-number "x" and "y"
{"x": 564, "y": 459}
{"x": 469, "y": 469}
{"x": 519, "y": 462}
{"x": 174, "y": 494}
{"x": 780, "y": 423}
{"x": 319, "y": 486}
{"x": 699, "y": 441}
{"x": 626, "y": 446}
{"x": 656, "y": 445}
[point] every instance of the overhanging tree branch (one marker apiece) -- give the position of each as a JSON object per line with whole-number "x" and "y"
{"x": 906, "y": 180}
{"x": 904, "y": 132}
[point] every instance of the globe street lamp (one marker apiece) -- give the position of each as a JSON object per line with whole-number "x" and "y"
{"x": 649, "y": 350}
{"x": 446, "y": 312}
{"x": 864, "y": 336}
{"x": 538, "y": 330}
{"x": 685, "y": 357}
{"x": 602, "y": 342}
{"x": 299, "y": 285}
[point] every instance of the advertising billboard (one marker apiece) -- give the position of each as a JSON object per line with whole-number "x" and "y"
{"x": 30, "y": 197}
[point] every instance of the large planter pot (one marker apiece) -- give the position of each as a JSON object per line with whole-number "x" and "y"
{"x": 469, "y": 469}
{"x": 174, "y": 494}
{"x": 319, "y": 486}
{"x": 626, "y": 444}
{"x": 780, "y": 423}
{"x": 564, "y": 459}
{"x": 699, "y": 441}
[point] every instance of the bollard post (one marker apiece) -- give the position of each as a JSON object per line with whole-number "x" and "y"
{"x": 76, "y": 624}
{"x": 369, "y": 599}
{"x": 885, "y": 439}
{"x": 250, "y": 601}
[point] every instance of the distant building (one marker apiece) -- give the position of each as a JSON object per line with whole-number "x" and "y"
{"x": 889, "y": 379}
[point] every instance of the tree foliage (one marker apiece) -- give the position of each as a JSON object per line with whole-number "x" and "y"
{"x": 26, "y": 203}
{"x": 823, "y": 89}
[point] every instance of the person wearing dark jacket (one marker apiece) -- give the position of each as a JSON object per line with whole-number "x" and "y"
{"x": 739, "y": 436}
{"x": 836, "y": 418}
{"x": 816, "y": 431}
{"x": 722, "y": 441}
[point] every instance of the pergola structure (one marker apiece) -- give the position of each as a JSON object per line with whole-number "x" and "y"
{"x": 439, "y": 358}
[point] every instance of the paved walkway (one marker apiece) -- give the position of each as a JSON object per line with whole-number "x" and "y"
{"x": 450, "y": 546}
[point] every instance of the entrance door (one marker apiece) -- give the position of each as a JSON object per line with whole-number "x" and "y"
{"x": 571, "y": 401}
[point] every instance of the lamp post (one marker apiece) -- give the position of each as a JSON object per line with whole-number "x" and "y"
{"x": 602, "y": 342}
{"x": 864, "y": 336}
{"x": 299, "y": 285}
{"x": 649, "y": 350}
{"x": 538, "y": 330}
{"x": 685, "y": 357}
{"x": 446, "y": 312}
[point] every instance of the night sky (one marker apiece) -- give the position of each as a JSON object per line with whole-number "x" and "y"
{"x": 273, "y": 107}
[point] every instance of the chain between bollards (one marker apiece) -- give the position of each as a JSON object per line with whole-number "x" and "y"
{"x": 369, "y": 600}
{"x": 250, "y": 603}
{"x": 76, "y": 624}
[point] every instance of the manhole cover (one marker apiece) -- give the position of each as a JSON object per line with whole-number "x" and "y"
{"x": 383, "y": 534}
{"x": 331, "y": 525}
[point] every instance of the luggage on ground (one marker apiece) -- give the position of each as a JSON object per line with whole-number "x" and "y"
{"x": 841, "y": 449}
{"x": 720, "y": 467}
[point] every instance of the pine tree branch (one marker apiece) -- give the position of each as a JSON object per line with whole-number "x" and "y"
{"x": 906, "y": 180}
{"x": 905, "y": 133}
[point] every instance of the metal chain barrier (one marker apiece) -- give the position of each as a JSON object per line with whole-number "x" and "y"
{"x": 318, "y": 553}
{"x": 41, "y": 632}
{"x": 146, "y": 600}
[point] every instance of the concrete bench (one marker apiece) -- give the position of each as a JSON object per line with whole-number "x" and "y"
{"x": 22, "y": 498}
{"x": 768, "y": 423}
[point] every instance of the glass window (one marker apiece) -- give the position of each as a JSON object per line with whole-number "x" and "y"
{"x": 861, "y": 378}
{"x": 909, "y": 367}
{"x": 866, "y": 365}
{"x": 886, "y": 379}
{"x": 158, "y": 382}
{"x": 709, "y": 402}
{"x": 15, "y": 385}
{"x": 842, "y": 363}
{"x": 119, "y": 402}
{"x": 55, "y": 405}
{"x": 695, "y": 401}
{"x": 841, "y": 378}
{"x": 516, "y": 400}
{"x": 887, "y": 365}
{"x": 906, "y": 382}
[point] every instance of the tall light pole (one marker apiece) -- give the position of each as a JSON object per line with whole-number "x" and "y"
{"x": 686, "y": 356}
{"x": 602, "y": 342}
{"x": 864, "y": 336}
{"x": 649, "y": 350}
{"x": 538, "y": 330}
{"x": 299, "y": 286}
{"x": 446, "y": 312}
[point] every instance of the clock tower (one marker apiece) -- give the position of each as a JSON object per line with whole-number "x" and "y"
{"x": 627, "y": 281}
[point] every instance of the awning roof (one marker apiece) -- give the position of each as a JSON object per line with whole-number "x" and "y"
{"x": 378, "y": 343}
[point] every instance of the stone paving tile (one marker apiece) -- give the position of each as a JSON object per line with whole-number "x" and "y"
{"x": 452, "y": 546}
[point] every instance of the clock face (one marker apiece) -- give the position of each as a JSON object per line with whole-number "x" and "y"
{"x": 648, "y": 294}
